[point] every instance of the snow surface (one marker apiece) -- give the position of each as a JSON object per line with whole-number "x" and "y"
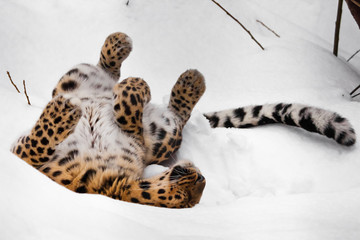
{"x": 271, "y": 182}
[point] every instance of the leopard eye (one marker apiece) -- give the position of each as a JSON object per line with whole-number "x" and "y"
{"x": 178, "y": 172}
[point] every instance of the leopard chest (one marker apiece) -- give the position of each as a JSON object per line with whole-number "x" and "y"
{"x": 97, "y": 135}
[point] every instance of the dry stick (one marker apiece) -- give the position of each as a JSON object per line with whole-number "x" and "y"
{"x": 356, "y": 3}
{"x": 355, "y": 95}
{"x": 352, "y": 92}
{"x": 337, "y": 28}
{"x": 27, "y": 97}
{"x": 353, "y": 55}
{"x": 268, "y": 28}
{"x": 12, "y": 82}
{"x": 252, "y": 37}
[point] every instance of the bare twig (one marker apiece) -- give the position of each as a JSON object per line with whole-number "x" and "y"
{"x": 268, "y": 28}
{"x": 127, "y": 3}
{"x": 355, "y": 95}
{"x": 353, "y": 55}
{"x": 12, "y": 82}
{"x": 356, "y": 3}
{"x": 252, "y": 37}
{"x": 337, "y": 28}
{"x": 27, "y": 97}
{"x": 353, "y": 91}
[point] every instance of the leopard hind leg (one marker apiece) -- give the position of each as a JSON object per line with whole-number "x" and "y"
{"x": 186, "y": 92}
{"x": 115, "y": 50}
{"x": 163, "y": 130}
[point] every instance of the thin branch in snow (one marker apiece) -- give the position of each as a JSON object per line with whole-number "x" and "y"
{"x": 356, "y": 3}
{"x": 127, "y": 3}
{"x": 12, "y": 82}
{"x": 355, "y": 95}
{"x": 337, "y": 28}
{"x": 353, "y": 55}
{"x": 268, "y": 28}
{"x": 27, "y": 97}
{"x": 353, "y": 91}
{"x": 252, "y": 37}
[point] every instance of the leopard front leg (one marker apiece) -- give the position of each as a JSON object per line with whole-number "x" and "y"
{"x": 56, "y": 122}
{"x": 179, "y": 187}
{"x": 130, "y": 97}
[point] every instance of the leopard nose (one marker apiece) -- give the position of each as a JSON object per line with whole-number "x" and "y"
{"x": 200, "y": 178}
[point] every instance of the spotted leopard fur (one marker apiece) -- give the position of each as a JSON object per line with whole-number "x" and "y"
{"x": 312, "y": 119}
{"x": 97, "y": 135}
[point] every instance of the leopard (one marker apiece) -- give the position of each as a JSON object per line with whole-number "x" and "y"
{"x": 97, "y": 135}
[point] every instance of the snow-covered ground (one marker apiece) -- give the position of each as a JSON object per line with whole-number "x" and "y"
{"x": 271, "y": 182}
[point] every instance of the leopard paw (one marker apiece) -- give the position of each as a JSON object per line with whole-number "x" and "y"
{"x": 59, "y": 119}
{"x": 186, "y": 93}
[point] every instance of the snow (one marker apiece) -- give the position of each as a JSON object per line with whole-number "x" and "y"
{"x": 271, "y": 182}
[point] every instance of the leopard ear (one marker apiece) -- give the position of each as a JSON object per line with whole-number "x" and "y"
{"x": 178, "y": 172}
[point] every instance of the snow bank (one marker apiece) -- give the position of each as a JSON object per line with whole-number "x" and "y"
{"x": 271, "y": 182}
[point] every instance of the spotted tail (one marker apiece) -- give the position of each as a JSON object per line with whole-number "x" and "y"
{"x": 312, "y": 119}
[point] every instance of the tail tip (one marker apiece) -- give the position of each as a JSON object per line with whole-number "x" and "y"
{"x": 213, "y": 119}
{"x": 347, "y": 138}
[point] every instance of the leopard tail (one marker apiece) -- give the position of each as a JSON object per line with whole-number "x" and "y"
{"x": 312, "y": 119}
